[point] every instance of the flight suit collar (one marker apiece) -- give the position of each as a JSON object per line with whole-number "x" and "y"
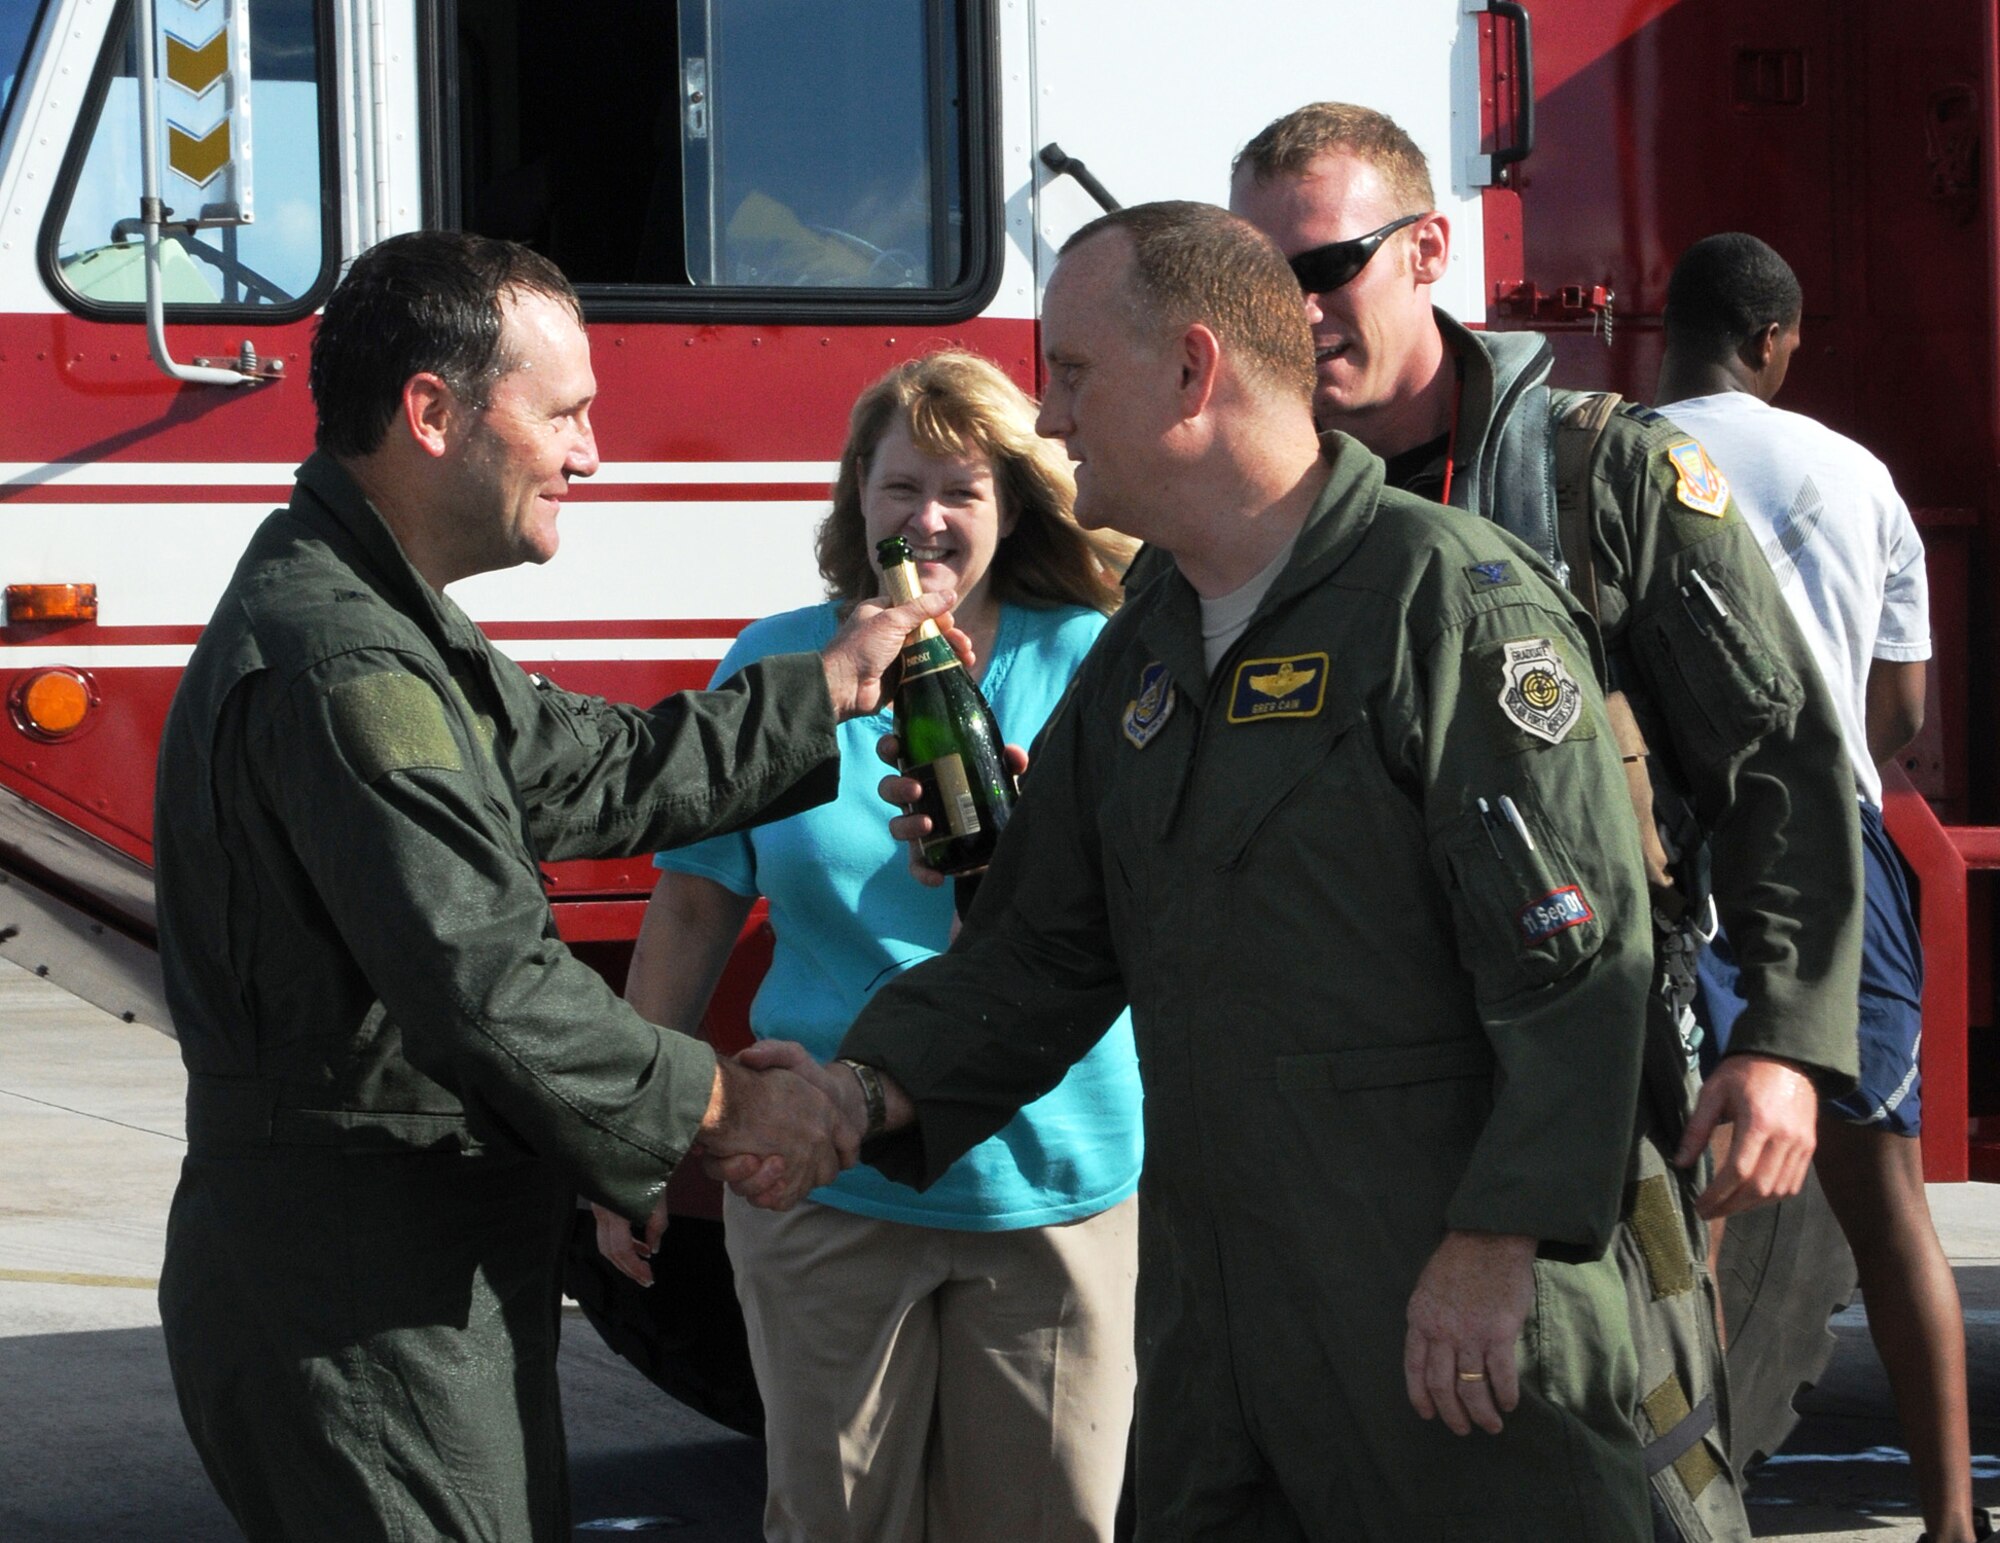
{"x": 381, "y": 555}
{"x": 1495, "y": 369}
{"x": 1334, "y": 527}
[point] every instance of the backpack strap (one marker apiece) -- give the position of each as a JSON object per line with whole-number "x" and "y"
{"x": 1579, "y": 424}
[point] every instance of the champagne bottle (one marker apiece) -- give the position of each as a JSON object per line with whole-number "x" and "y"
{"x": 950, "y": 739}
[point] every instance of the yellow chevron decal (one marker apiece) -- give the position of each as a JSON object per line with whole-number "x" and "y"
{"x": 198, "y": 160}
{"x": 196, "y": 69}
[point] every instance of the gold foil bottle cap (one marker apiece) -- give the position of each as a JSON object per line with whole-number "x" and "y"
{"x": 899, "y": 574}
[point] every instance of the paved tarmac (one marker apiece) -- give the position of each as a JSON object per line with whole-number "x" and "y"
{"x": 91, "y": 1445}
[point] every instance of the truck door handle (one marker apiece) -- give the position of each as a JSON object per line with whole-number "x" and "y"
{"x": 1524, "y": 84}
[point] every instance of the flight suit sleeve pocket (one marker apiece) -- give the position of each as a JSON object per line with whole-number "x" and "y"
{"x": 1720, "y": 685}
{"x": 1388, "y": 1066}
{"x": 1524, "y": 914}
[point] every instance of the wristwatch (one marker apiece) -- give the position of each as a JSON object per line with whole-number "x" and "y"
{"x": 872, "y": 1098}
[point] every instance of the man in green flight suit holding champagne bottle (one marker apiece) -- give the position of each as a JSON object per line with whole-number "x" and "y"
{"x": 398, "y": 1077}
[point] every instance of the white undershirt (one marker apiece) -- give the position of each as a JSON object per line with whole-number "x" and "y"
{"x": 1224, "y": 618}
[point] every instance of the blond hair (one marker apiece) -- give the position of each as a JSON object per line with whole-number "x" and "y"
{"x": 1286, "y": 146}
{"x": 957, "y": 403}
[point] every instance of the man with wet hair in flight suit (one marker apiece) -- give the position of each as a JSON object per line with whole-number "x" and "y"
{"x": 399, "y": 1079}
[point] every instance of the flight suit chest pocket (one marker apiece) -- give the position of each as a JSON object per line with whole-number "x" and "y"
{"x": 1719, "y": 685}
{"x": 1523, "y": 910}
{"x": 1280, "y": 771}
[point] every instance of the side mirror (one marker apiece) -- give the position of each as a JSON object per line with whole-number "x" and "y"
{"x": 202, "y": 99}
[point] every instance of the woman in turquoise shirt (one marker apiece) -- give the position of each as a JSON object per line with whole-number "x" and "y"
{"x": 956, "y": 1364}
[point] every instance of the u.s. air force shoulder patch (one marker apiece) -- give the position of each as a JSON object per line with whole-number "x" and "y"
{"x": 1148, "y": 712}
{"x": 1278, "y": 688}
{"x": 1698, "y": 482}
{"x": 1537, "y": 690}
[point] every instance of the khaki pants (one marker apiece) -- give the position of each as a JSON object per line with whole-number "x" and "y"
{"x": 922, "y": 1383}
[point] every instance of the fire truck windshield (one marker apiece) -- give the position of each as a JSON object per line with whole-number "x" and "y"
{"x": 812, "y": 144}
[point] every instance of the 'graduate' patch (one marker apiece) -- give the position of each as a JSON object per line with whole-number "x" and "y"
{"x": 1558, "y": 911}
{"x": 1537, "y": 690}
{"x": 1699, "y": 484}
{"x": 1148, "y": 712}
{"x": 1278, "y": 688}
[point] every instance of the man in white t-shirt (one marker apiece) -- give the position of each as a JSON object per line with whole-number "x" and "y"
{"x": 1850, "y": 563}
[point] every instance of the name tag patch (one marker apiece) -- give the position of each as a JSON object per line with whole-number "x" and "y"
{"x": 1698, "y": 483}
{"x": 1278, "y": 688}
{"x": 1537, "y": 690}
{"x": 1148, "y": 712}
{"x": 1555, "y": 912}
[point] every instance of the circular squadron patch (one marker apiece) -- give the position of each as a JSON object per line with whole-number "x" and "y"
{"x": 1537, "y": 690}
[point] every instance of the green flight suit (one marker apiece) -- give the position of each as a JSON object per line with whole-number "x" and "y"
{"x": 1736, "y": 713}
{"x": 398, "y": 1077}
{"x": 1365, "y": 1014}
{"x": 1741, "y": 726}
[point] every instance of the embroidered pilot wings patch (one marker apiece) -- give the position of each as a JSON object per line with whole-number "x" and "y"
{"x": 1278, "y": 688}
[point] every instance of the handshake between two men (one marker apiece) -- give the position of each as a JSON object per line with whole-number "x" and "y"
{"x": 779, "y": 1125}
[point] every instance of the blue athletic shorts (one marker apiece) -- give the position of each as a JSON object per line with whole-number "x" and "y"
{"x": 1892, "y": 989}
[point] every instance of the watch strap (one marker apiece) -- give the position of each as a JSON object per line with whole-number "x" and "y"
{"x": 873, "y": 1100}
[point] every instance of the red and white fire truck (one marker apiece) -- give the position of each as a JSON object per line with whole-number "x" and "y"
{"x": 765, "y": 203}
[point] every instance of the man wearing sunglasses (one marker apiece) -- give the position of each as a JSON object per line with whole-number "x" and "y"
{"x": 1750, "y": 804}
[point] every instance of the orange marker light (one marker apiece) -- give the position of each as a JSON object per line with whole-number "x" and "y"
{"x": 52, "y": 703}
{"x": 51, "y": 602}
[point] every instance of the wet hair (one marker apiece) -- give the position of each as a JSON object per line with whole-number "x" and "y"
{"x": 1725, "y": 289}
{"x": 1197, "y": 263}
{"x": 429, "y": 302}
{"x": 957, "y": 403}
{"x": 1286, "y": 146}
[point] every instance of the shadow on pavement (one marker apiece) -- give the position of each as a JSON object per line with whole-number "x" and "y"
{"x": 94, "y": 1446}
{"x": 94, "y": 1450}
{"x": 707, "y": 1492}
{"x": 1846, "y": 1459}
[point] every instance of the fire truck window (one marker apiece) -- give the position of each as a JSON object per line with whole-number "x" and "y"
{"x": 728, "y": 144}
{"x": 17, "y": 31}
{"x": 269, "y": 264}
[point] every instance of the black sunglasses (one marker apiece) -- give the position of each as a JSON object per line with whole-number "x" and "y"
{"x": 1328, "y": 267}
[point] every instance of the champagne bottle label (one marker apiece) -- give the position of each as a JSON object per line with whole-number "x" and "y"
{"x": 947, "y": 799}
{"x": 927, "y": 656}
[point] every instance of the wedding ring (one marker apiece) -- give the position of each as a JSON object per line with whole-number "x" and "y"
{"x": 1472, "y": 1376}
